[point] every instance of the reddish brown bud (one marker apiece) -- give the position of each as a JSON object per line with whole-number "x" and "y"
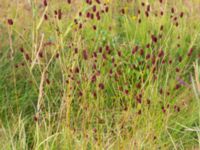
{"x": 10, "y": 21}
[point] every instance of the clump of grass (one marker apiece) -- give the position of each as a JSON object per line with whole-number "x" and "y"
{"x": 99, "y": 75}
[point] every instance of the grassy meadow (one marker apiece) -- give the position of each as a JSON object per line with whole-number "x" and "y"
{"x": 99, "y": 74}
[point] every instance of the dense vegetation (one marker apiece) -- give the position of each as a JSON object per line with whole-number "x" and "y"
{"x": 94, "y": 74}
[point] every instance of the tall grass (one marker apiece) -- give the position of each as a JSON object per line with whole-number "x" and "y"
{"x": 99, "y": 74}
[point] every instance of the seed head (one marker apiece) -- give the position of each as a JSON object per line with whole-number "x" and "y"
{"x": 45, "y": 3}
{"x": 101, "y": 86}
{"x": 10, "y": 21}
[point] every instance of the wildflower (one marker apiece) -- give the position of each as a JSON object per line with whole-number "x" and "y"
{"x": 108, "y": 49}
{"x": 153, "y": 59}
{"x": 175, "y": 18}
{"x": 154, "y": 39}
{"x": 76, "y": 50}
{"x": 85, "y": 54}
{"x": 161, "y": 13}
{"x": 119, "y": 53}
{"x": 16, "y": 66}
{"x": 80, "y": 14}
{"x": 148, "y": 56}
{"x": 177, "y": 70}
{"x": 35, "y": 118}
{"x": 69, "y": 1}
{"x": 94, "y": 27}
{"x": 80, "y": 26}
{"x": 176, "y": 108}
{"x": 76, "y": 70}
{"x": 176, "y": 24}
{"x": 47, "y": 81}
{"x": 161, "y": 28}
{"x": 135, "y": 49}
{"x": 45, "y": 3}
{"x": 98, "y": 73}
{"x": 80, "y": 94}
{"x": 168, "y": 93}
{"x": 10, "y": 21}
{"x": 123, "y": 11}
{"x": 148, "y": 101}
{"x": 138, "y": 85}
{"x": 190, "y": 52}
{"x": 148, "y": 8}
{"x": 95, "y": 54}
{"x": 94, "y": 66}
{"x": 161, "y": 53}
{"x": 111, "y": 71}
{"x": 57, "y": 55}
{"x": 89, "y": 2}
{"x": 94, "y": 8}
{"x": 98, "y": 16}
{"x": 139, "y": 112}
{"x": 101, "y": 86}
{"x": 95, "y": 94}
{"x": 93, "y": 79}
{"x": 104, "y": 56}
{"x": 163, "y": 61}
{"x": 163, "y": 109}
{"x": 40, "y": 54}
{"x": 22, "y": 50}
{"x": 181, "y": 14}
{"x": 27, "y": 57}
{"x": 91, "y": 16}
{"x": 182, "y": 82}
{"x": 143, "y": 4}
{"x": 45, "y": 17}
{"x": 141, "y": 52}
{"x": 172, "y": 10}
{"x": 107, "y": 9}
{"x": 98, "y": 1}
{"x": 177, "y": 86}
{"x": 22, "y": 64}
{"x": 148, "y": 45}
{"x": 126, "y": 92}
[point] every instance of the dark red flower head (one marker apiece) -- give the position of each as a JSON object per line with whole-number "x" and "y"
{"x": 45, "y": 3}
{"x": 154, "y": 39}
{"x": 85, "y": 54}
{"x": 161, "y": 53}
{"x": 69, "y": 1}
{"x": 10, "y": 21}
{"x": 101, "y": 86}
